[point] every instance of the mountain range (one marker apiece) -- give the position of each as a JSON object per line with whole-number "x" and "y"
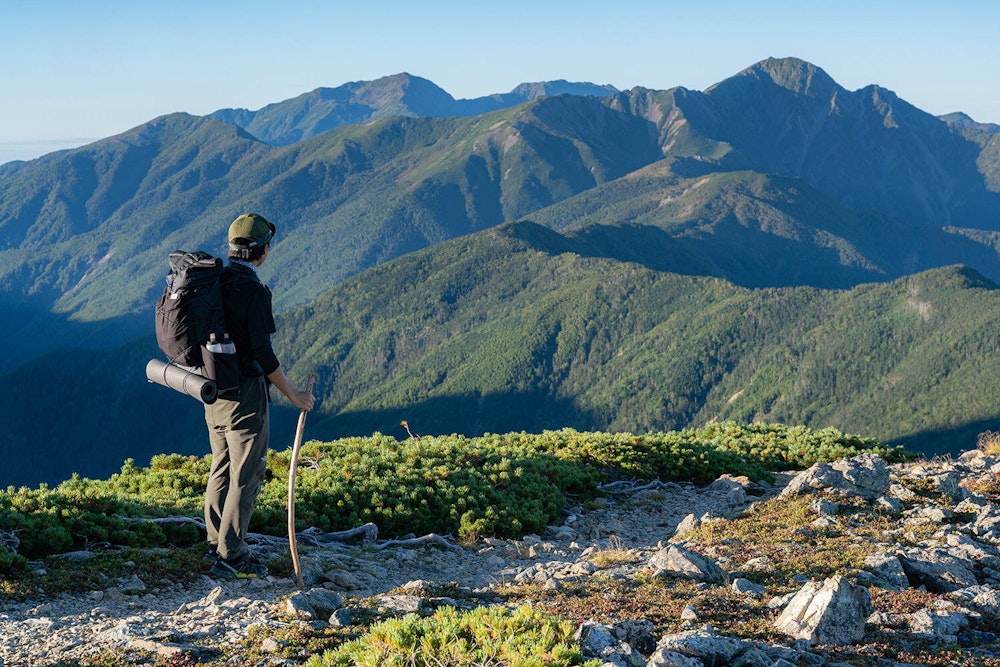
{"x": 564, "y": 254}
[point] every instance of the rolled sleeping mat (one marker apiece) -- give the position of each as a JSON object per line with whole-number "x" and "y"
{"x": 182, "y": 380}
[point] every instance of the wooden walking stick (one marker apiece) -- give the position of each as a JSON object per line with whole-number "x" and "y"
{"x": 293, "y": 467}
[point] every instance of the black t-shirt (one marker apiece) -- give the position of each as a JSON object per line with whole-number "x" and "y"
{"x": 249, "y": 319}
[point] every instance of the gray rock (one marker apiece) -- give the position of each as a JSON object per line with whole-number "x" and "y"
{"x": 937, "y": 570}
{"x": 687, "y": 524}
{"x": 752, "y": 657}
{"x": 984, "y": 598}
{"x": 583, "y": 567}
{"x": 342, "y": 617}
{"x": 599, "y": 641}
{"x": 735, "y": 492}
{"x": 987, "y": 523}
{"x": 534, "y": 574}
{"x": 949, "y": 482}
{"x": 943, "y": 625}
{"x": 780, "y": 601}
{"x": 594, "y": 638}
{"x": 971, "y": 455}
{"x": 988, "y": 601}
{"x": 866, "y": 475}
{"x": 400, "y": 604}
{"x": 689, "y": 613}
{"x": 790, "y": 655}
{"x": 889, "y": 504}
{"x": 900, "y": 492}
{"x": 131, "y": 584}
{"x": 709, "y": 648}
{"x": 76, "y": 556}
{"x": 665, "y": 658}
{"x": 973, "y": 504}
{"x": 888, "y": 571}
{"x": 312, "y": 572}
{"x": 343, "y": 580}
{"x": 675, "y": 561}
{"x": 747, "y": 587}
{"x": 638, "y": 634}
{"x": 297, "y": 606}
{"x": 324, "y": 602}
{"x": 162, "y": 649}
{"x": 801, "y": 654}
{"x": 964, "y": 546}
{"x": 564, "y": 533}
{"x": 934, "y": 514}
{"x": 824, "y": 508}
{"x": 624, "y": 656}
{"x": 831, "y": 613}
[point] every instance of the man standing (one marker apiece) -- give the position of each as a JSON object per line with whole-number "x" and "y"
{"x": 238, "y": 427}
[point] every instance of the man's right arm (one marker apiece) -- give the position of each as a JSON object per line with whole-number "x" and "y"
{"x": 303, "y": 400}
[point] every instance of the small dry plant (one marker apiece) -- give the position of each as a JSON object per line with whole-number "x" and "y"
{"x": 616, "y": 553}
{"x": 989, "y": 442}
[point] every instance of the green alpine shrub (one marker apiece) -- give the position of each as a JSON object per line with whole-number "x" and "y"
{"x": 505, "y": 485}
{"x": 486, "y": 636}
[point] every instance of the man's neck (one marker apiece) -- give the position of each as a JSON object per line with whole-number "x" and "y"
{"x": 242, "y": 262}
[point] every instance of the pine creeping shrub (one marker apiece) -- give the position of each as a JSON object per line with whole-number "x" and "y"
{"x": 11, "y": 563}
{"x": 486, "y": 636}
{"x": 82, "y": 513}
{"x": 702, "y": 454}
{"x": 778, "y": 447}
{"x": 504, "y": 485}
{"x": 675, "y": 456}
{"x": 453, "y": 485}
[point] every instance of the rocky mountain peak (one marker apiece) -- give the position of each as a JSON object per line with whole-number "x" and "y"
{"x": 416, "y": 95}
{"x": 796, "y": 75}
{"x": 560, "y": 87}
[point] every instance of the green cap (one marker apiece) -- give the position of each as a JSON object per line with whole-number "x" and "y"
{"x": 249, "y": 231}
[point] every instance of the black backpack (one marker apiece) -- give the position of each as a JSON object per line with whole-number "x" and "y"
{"x": 191, "y": 322}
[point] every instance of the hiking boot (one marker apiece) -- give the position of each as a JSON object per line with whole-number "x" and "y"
{"x": 211, "y": 555}
{"x": 240, "y": 568}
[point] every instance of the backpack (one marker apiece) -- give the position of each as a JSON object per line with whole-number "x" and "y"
{"x": 191, "y": 322}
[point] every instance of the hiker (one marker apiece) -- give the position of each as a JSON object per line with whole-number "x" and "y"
{"x": 238, "y": 428}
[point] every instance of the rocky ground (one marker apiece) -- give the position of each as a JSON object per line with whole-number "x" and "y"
{"x": 942, "y": 541}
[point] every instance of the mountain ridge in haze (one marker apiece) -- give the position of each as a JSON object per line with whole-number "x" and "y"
{"x": 403, "y": 94}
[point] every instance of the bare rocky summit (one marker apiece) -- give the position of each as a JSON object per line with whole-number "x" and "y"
{"x": 939, "y": 544}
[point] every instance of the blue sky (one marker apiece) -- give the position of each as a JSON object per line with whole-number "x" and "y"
{"x": 77, "y": 71}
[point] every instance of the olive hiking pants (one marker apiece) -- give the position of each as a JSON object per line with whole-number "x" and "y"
{"x": 238, "y": 432}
